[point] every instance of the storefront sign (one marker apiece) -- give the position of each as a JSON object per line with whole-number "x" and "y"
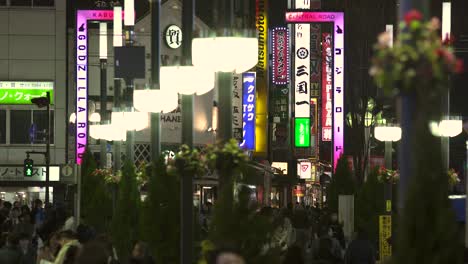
{"x": 237, "y": 107}
{"x": 337, "y": 18}
{"x": 302, "y": 70}
{"x": 302, "y": 132}
{"x": 304, "y": 169}
{"x": 281, "y": 166}
{"x": 173, "y": 36}
{"x": 82, "y": 18}
{"x": 280, "y": 41}
{"x": 261, "y": 120}
{"x": 385, "y": 232}
{"x": 15, "y": 173}
{"x": 248, "y": 111}
{"x": 21, "y": 93}
{"x": 327, "y": 104}
{"x": 315, "y": 59}
{"x": 313, "y": 126}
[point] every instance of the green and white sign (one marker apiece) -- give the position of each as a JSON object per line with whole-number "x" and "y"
{"x": 302, "y": 132}
{"x": 21, "y": 93}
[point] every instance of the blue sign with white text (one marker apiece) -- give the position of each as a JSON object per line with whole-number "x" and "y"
{"x": 248, "y": 111}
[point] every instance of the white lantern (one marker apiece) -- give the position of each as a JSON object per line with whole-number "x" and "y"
{"x": 187, "y": 79}
{"x": 225, "y": 54}
{"x": 155, "y": 101}
{"x": 387, "y": 133}
{"x": 130, "y": 120}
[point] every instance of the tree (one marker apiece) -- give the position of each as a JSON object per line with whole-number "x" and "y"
{"x": 96, "y": 203}
{"x": 160, "y": 221}
{"x": 342, "y": 183}
{"x": 235, "y": 223}
{"x": 125, "y": 220}
{"x": 370, "y": 203}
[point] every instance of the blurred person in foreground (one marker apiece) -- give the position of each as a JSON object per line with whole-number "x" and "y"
{"x": 141, "y": 254}
{"x": 94, "y": 252}
{"x": 226, "y": 256}
{"x": 360, "y": 250}
{"x": 69, "y": 248}
{"x": 10, "y": 254}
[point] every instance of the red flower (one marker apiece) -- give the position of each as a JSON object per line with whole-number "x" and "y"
{"x": 413, "y": 15}
{"x": 448, "y": 40}
{"x": 459, "y": 66}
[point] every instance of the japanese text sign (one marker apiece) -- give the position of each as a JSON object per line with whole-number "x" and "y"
{"x": 15, "y": 173}
{"x": 82, "y": 18}
{"x": 280, "y": 55}
{"x": 327, "y": 89}
{"x": 302, "y": 132}
{"x": 21, "y": 92}
{"x": 248, "y": 111}
{"x": 237, "y": 119}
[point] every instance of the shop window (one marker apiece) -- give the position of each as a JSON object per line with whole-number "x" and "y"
{"x": 2, "y": 126}
{"x": 43, "y": 2}
{"x": 20, "y": 2}
{"x": 40, "y": 119}
{"x": 20, "y": 124}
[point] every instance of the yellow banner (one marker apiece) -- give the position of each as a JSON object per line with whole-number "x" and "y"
{"x": 385, "y": 232}
{"x": 261, "y": 122}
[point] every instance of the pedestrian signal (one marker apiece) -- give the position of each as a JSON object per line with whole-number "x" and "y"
{"x": 28, "y": 167}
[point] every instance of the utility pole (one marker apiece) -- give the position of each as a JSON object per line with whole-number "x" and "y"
{"x": 186, "y": 221}
{"x": 155, "y": 67}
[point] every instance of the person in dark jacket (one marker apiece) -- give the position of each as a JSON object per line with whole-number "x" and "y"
{"x": 141, "y": 254}
{"x": 360, "y": 250}
{"x": 10, "y": 253}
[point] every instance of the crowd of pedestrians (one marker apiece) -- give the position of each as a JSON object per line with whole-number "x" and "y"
{"x": 45, "y": 234}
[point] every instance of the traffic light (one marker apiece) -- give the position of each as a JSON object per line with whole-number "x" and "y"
{"x": 28, "y": 167}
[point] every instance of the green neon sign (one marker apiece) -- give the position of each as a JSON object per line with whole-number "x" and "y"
{"x": 302, "y": 132}
{"x": 21, "y": 93}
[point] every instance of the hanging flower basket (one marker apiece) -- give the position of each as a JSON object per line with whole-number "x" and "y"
{"x": 418, "y": 62}
{"x": 107, "y": 175}
{"x": 453, "y": 177}
{"x": 388, "y": 176}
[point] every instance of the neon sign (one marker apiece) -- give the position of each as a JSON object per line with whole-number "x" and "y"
{"x": 248, "y": 111}
{"x": 21, "y": 93}
{"x": 337, "y": 18}
{"x": 327, "y": 83}
{"x": 280, "y": 40}
{"x": 82, "y": 18}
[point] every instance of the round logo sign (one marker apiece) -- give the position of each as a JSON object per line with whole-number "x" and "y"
{"x": 302, "y": 53}
{"x": 173, "y": 36}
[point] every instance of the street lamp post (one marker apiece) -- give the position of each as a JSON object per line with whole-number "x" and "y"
{"x": 103, "y": 97}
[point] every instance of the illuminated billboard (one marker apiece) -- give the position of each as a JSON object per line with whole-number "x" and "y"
{"x": 327, "y": 89}
{"x": 21, "y": 92}
{"x": 302, "y": 132}
{"x": 248, "y": 111}
{"x": 337, "y": 18}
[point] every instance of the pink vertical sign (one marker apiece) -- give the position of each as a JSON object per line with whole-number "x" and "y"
{"x": 337, "y": 18}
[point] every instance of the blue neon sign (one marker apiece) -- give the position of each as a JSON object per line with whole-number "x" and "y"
{"x": 248, "y": 111}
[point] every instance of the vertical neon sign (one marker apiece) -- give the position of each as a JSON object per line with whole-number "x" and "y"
{"x": 280, "y": 41}
{"x": 337, "y": 18}
{"x": 248, "y": 111}
{"x": 82, "y": 18}
{"x": 327, "y": 103}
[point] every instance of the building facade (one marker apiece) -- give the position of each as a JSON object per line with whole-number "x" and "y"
{"x": 32, "y": 54}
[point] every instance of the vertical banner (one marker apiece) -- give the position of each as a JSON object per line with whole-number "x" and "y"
{"x": 280, "y": 42}
{"x": 314, "y": 125}
{"x": 261, "y": 121}
{"x": 327, "y": 104}
{"x": 237, "y": 107}
{"x": 248, "y": 111}
{"x": 315, "y": 58}
{"x": 302, "y": 69}
{"x": 82, "y": 18}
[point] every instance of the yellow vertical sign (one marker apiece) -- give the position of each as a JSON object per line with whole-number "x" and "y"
{"x": 261, "y": 121}
{"x": 385, "y": 232}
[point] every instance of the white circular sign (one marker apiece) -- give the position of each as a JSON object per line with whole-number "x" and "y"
{"x": 173, "y": 36}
